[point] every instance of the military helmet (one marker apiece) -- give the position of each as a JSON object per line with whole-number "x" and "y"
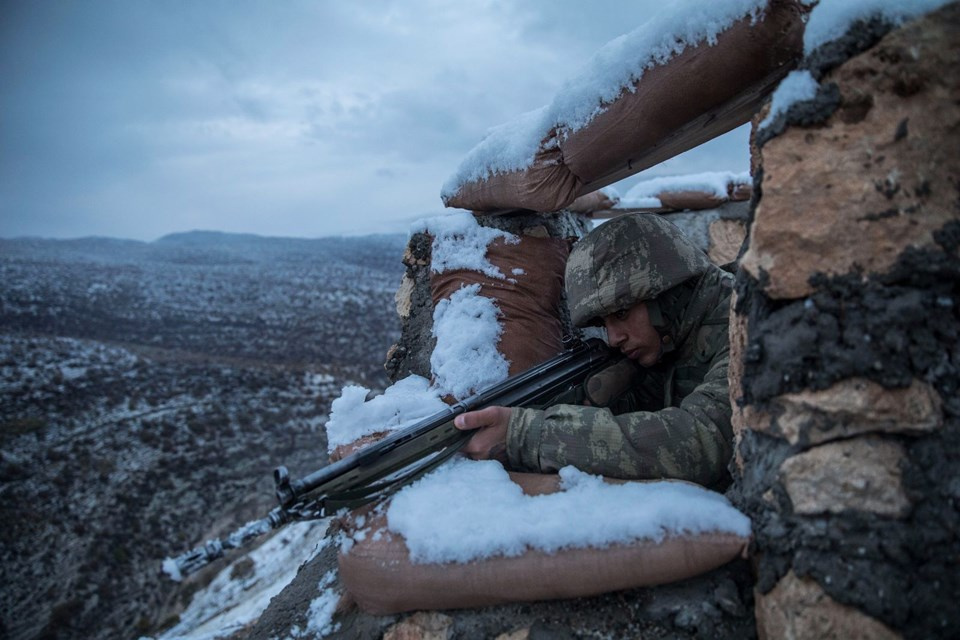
{"x": 629, "y": 259}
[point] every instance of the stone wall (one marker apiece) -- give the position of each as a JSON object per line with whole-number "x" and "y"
{"x": 844, "y": 339}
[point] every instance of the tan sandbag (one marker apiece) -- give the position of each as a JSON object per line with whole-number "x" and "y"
{"x": 701, "y": 93}
{"x": 546, "y": 185}
{"x": 670, "y": 97}
{"x": 529, "y": 303}
{"x": 590, "y": 203}
{"x": 739, "y": 191}
{"x": 689, "y": 199}
{"x": 378, "y": 573}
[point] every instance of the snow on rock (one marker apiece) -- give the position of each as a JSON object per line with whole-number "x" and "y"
{"x": 459, "y": 242}
{"x": 466, "y": 358}
{"x": 796, "y": 87}
{"x": 830, "y": 19}
{"x": 232, "y": 601}
{"x": 469, "y": 510}
{"x": 320, "y": 614}
{"x": 644, "y": 194}
{"x": 613, "y": 69}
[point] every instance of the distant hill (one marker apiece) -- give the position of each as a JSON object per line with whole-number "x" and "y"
{"x": 281, "y": 300}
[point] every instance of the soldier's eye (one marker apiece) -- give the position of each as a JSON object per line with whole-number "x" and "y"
{"x": 621, "y": 314}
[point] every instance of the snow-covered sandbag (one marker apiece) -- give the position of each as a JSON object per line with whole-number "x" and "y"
{"x": 697, "y": 70}
{"x": 591, "y": 203}
{"x": 528, "y": 295}
{"x": 698, "y": 200}
{"x": 473, "y": 546}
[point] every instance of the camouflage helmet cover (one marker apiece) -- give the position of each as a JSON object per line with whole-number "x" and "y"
{"x": 627, "y": 260}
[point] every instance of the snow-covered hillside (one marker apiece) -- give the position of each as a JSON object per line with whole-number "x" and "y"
{"x": 147, "y": 391}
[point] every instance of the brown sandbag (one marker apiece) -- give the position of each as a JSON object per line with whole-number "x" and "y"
{"x": 688, "y": 199}
{"x": 701, "y": 93}
{"x": 380, "y": 577}
{"x": 529, "y": 303}
{"x": 546, "y": 185}
{"x": 669, "y": 97}
{"x": 592, "y": 202}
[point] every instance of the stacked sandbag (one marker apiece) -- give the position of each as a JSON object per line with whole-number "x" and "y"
{"x": 691, "y": 192}
{"x": 679, "y": 80}
{"x": 452, "y": 541}
{"x": 479, "y": 303}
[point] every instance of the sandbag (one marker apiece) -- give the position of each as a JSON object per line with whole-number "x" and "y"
{"x": 593, "y": 202}
{"x": 697, "y": 95}
{"x": 697, "y": 200}
{"x": 529, "y": 302}
{"x": 694, "y": 200}
{"x": 379, "y": 575}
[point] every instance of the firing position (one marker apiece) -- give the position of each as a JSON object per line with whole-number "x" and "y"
{"x": 663, "y": 411}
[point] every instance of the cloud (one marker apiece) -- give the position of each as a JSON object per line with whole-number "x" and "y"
{"x": 136, "y": 119}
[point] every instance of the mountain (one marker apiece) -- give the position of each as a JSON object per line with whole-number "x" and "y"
{"x": 148, "y": 390}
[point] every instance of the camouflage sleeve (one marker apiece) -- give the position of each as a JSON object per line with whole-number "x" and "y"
{"x": 690, "y": 442}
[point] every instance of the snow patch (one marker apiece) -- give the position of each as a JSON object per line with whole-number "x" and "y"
{"x": 400, "y": 405}
{"x": 466, "y": 358}
{"x": 831, "y": 19}
{"x": 644, "y": 194}
{"x": 320, "y": 614}
{"x": 796, "y": 87}
{"x": 459, "y": 242}
{"x": 231, "y": 602}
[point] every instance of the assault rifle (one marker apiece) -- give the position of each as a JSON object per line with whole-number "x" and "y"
{"x": 381, "y": 468}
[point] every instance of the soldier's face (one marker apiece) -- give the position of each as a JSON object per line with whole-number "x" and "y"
{"x": 631, "y": 331}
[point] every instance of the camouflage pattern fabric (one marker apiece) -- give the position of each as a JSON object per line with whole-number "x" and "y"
{"x": 671, "y": 420}
{"x": 626, "y": 260}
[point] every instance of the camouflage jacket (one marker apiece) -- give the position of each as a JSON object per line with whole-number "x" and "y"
{"x": 671, "y": 420}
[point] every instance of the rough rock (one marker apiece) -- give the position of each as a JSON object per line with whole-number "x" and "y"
{"x": 404, "y": 297}
{"x": 726, "y": 237}
{"x": 799, "y": 609}
{"x": 860, "y": 474}
{"x": 422, "y": 625}
{"x": 856, "y": 406}
{"x": 837, "y": 198}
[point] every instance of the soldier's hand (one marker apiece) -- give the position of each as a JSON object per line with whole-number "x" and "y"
{"x": 490, "y": 440}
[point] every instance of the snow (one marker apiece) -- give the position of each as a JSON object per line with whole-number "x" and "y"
{"x": 467, "y": 330}
{"x": 796, "y": 87}
{"x": 830, "y": 19}
{"x": 615, "y": 68}
{"x": 320, "y": 614}
{"x": 466, "y": 359}
{"x": 644, "y": 194}
{"x": 400, "y": 405}
{"x": 232, "y": 602}
{"x": 469, "y": 510}
{"x": 459, "y": 242}
{"x": 170, "y": 568}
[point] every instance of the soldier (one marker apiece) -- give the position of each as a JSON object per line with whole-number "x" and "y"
{"x": 663, "y": 411}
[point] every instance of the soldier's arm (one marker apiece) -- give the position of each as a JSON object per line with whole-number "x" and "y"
{"x": 690, "y": 442}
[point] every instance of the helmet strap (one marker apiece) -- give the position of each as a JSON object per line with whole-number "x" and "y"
{"x": 659, "y": 323}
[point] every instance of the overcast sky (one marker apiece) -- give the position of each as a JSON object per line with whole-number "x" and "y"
{"x": 138, "y": 118}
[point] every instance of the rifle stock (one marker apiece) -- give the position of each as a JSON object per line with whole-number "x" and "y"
{"x": 406, "y": 454}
